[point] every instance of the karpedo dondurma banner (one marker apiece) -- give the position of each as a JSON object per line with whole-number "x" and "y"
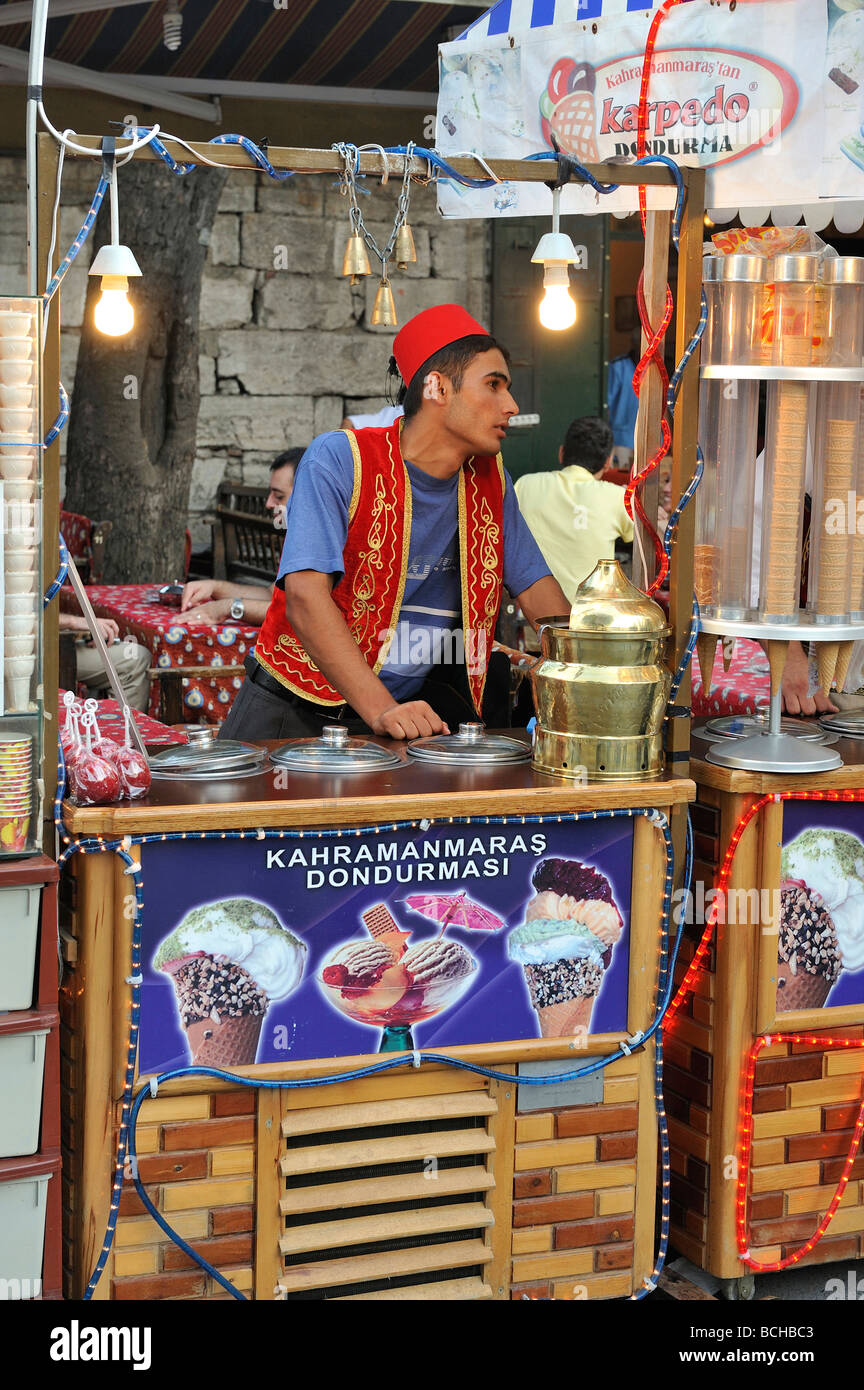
{"x": 342, "y": 944}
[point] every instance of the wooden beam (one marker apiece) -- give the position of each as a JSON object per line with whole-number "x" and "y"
{"x": 46, "y": 177}
{"x": 309, "y": 161}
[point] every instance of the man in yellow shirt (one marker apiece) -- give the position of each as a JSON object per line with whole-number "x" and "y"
{"x": 574, "y": 515}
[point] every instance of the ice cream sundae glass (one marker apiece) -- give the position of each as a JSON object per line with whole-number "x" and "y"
{"x": 381, "y": 981}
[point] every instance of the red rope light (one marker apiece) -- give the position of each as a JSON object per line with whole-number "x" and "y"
{"x": 746, "y": 1110}
{"x": 746, "y": 1148}
{"x": 653, "y": 352}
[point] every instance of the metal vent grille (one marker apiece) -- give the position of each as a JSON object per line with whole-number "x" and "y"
{"x": 390, "y": 1197}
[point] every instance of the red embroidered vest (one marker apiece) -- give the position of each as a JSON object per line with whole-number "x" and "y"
{"x": 375, "y": 562}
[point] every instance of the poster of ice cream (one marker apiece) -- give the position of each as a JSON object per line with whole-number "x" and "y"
{"x": 329, "y": 946}
{"x": 820, "y": 951}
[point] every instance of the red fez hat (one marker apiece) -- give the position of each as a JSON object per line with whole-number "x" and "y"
{"x": 429, "y": 332}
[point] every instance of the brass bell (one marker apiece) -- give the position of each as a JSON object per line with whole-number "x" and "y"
{"x": 384, "y": 311}
{"x": 405, "y": 252}
{"x": 356, "y": 261}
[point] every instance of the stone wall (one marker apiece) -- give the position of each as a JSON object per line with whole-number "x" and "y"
{"x": 287, "y": 346}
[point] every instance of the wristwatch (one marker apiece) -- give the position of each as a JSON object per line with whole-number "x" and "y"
{"x": 237, "y": 609}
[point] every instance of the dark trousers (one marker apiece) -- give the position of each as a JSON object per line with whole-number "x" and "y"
{"x": 259, "y": 713}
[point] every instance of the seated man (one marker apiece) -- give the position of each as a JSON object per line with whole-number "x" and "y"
{"x": 220, "y": 600}
{"x": 398, "y": 545}
{"x": 130, "y": 661}
{"x": 574, "y": 515}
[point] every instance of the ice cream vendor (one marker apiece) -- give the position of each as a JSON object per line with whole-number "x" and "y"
{"x": 398, "y": 542}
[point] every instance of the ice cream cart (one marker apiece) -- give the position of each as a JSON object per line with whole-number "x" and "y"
{"x": 403, "y": 908}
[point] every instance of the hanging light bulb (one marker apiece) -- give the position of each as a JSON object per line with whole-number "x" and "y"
{"x": 556, "y": 252}
{"x": 384, "y": 310}
{"x": 172, "y": 28}
{"x": 114, "y": 315}
{"x": 355, "y": 262}
{"x": 404, "y": 251}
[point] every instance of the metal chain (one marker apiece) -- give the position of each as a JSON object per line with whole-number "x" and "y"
{"x": 351, "y": 156}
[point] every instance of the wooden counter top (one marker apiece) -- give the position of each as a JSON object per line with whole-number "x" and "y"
{"x": 279, "y": 798}
{"x": 849, "y": 777}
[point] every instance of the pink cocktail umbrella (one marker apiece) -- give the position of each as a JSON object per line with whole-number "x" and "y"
{"x": 454, "y": 910}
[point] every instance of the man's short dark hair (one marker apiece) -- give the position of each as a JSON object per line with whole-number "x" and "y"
{"x": 292, "y": 456}
{"x": 452, "y": 362}
{"x": 588, "y": 442}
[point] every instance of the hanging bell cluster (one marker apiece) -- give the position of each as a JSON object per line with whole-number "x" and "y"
{"x": 404, "y": 251}
{"x": 384, "y": 311}
{"x": 355, "y": 263}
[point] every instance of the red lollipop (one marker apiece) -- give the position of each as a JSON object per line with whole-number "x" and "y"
{"x": 109, "y": 749}
{"x": 134, "y": 772}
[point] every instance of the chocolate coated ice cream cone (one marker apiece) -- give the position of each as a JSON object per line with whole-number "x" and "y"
{"x": 222, "y": 1010}
{"x": 233, "y": 1042}
{"x": 564, "y": 1020}
{"x": 800, "y": 991}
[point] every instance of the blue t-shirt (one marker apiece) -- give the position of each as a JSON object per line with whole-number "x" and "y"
{"x": 429, "y": 627}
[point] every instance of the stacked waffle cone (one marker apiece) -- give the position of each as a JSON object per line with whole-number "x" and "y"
{"x": 833, "y": 572}
{"x": 703, "y": 583}
{"x": 781, "y": 582}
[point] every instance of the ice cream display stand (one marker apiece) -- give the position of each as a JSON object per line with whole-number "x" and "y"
{"x": 764, "y": 1058}
{"x": 432, "y": 1182}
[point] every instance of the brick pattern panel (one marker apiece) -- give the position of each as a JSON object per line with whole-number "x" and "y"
{"x": 574, "y": 1198}
{"x": 199, "y": 1170}
{"x": 793, "y": 1180}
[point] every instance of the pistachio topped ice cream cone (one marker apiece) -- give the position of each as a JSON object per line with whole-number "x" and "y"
{"x": 228, "y": 960}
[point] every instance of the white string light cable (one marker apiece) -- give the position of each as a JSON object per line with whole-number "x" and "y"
{"x": 472, "y": 154}
{"x": 55, "y": 224}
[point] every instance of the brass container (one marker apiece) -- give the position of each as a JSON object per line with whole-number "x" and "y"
{"x": 601, "y": 686}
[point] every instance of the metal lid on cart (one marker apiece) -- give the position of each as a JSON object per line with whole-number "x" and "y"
{"x": 848, "y": 723}
{"x": 335, "y": 751}
{"x": 471, "y": 744}
{"x": 843, "y": 270}
{"x": 746, "y": 725}
{"x": 747, "y": 268}
{"x": 204, "y": 756}
{"x": 606, "y": 602}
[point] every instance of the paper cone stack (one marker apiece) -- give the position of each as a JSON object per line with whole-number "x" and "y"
{"x": 781, "y": 584}
{"x": 728, "y": 650}
{"x": 703, "y": 583}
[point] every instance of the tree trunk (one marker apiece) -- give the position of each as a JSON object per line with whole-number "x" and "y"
{"x": 135, "y": 404}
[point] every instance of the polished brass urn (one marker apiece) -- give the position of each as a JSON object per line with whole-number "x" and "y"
{"x": 601, "y": 686}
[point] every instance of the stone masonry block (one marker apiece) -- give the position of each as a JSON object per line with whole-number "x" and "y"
{"x": 270, "y": 363}
{"x": 269, "y": 241}
{"x": 255, "y": 422}
{"x": 225, "y": 239}
{"x": 226, "y": 297}
{"x": 303, "y": 301}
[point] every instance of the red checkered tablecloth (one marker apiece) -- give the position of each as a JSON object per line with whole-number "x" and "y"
{"x": 109, "y": 717}
{"x": 172, "y": 641}
{"x": 743, "y": 689}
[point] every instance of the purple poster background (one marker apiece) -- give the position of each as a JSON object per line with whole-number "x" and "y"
{"x": 324, "y": 914}
{"x": 822, "y": 815}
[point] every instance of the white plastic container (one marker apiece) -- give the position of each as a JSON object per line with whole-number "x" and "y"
{"x": 19, "y": 930}
{"x": 22, "y": 1066}
{"x": 22, "y": 1220}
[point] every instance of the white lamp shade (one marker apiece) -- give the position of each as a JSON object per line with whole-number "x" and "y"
{"x": 556, "y": 246}
{"x": 114, "y": 260}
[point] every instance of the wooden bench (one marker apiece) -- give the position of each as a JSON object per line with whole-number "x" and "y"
{"x": 246, "y": 544}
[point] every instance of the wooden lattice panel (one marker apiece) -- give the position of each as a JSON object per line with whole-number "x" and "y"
{"x": 395, "y": 1189}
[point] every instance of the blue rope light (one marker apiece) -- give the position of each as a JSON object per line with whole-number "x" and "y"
{"x": 57, "y": 278}
{"x": 60, "y": 578}
{"x": 130, "y": 1109}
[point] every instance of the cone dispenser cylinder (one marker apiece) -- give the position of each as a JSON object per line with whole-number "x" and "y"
{"x": 728, "y": 432}
{"x": 843, "y": 293}
{"x": 836, "y": 465}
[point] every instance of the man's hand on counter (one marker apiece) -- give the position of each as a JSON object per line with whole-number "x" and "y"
{"x": 414, "y": 719}
{"x": 795, "y": 686}
{"x": 325, "y": 636}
